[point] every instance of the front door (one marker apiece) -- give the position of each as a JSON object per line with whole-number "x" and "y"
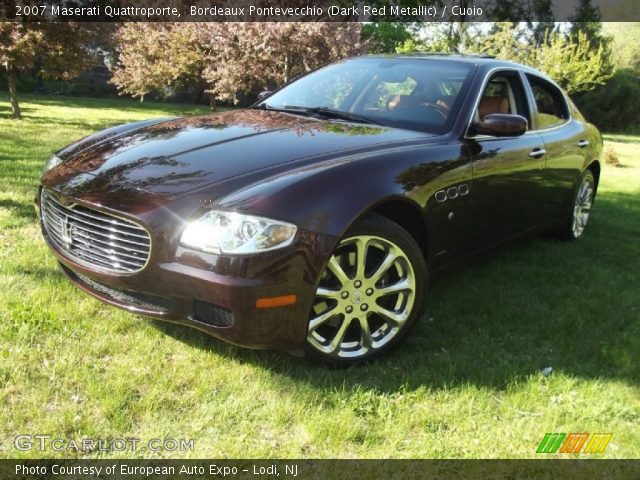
{"x": 507, "y": 172}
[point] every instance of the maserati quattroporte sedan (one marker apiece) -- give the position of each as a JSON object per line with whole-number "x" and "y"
{"x": 312, "y": 221}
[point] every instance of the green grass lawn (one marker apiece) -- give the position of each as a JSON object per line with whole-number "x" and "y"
{"x": 467, "y": 383}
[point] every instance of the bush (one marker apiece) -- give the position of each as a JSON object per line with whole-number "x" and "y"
{"x": 614, "y": 106}
{"x": 611, "y": 157}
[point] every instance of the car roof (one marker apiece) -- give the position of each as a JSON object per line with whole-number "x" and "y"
{"x": 478, "y": 60}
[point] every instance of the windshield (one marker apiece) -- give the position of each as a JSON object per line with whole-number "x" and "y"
{"x": 415, "y": 94}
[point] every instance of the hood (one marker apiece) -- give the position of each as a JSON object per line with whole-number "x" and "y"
{"x": 177, "y": 156}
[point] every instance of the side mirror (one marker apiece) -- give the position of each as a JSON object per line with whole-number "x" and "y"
{"x": 501, "y": 125}
{"x": 264, "y": 94}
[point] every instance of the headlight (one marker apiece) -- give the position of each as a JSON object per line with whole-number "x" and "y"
{"x": 52, "y": 162}
{"x": 235, "y": 233}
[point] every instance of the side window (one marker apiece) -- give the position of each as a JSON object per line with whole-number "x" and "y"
{"x": 504, "y": 93}
{"x": 551, "y": 108}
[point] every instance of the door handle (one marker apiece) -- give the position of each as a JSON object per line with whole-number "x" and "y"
{"x": 538, "y": 152}
{"x": 583, "y": 143}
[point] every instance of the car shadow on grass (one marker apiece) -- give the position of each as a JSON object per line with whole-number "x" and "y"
{"x": 573, "y": 307}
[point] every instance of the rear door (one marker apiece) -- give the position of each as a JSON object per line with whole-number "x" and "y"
{"x": 565, "y": 140}
{"x": 508, "y": 172}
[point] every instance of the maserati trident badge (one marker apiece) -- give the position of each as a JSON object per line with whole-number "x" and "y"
{"x": 67, "y": 238}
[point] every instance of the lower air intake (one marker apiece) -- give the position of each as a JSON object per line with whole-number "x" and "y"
{"x": 212, "y": 314}
{"x": 126, "y": 297}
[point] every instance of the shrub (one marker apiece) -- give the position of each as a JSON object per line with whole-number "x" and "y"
{"x": 611, "y": 157}
{"x": 614, "y": 106}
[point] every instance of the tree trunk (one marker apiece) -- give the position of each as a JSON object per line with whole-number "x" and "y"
{"x": 13, "y": 93}
{"x": 287, "y": 68}
{"x": 212, "y": 102}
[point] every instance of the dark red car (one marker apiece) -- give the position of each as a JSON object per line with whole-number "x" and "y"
{"x": 313, "y": 220}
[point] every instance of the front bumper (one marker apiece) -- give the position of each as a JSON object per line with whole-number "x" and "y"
{"x": 216, "y": 294}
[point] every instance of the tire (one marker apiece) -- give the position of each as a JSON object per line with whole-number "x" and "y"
{"x": 362, "y": 309}
{"x": 576, "y": 221}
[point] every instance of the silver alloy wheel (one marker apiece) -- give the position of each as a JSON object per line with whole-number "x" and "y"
{"x": 582, "y": 206}
{"x": 365, "y": 296}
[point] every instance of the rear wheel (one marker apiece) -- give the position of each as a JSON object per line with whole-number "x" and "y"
{"x": 369, "y": 295}
{"x": 581, "y": 209}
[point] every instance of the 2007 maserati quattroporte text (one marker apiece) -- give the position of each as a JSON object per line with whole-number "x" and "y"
{"x": 312, "y": 220}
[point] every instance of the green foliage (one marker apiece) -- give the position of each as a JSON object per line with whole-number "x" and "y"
{"x": 413, "y": 45}
{"x": 614, "y": 106}
{"x": 586, "y": 20}
{"x": 507, "y": 42}
{"x": 445, "y": 37}
{"x": 385, "y": 37}
{"x": 625, "y": 44}
{"x": 571, "y": 60}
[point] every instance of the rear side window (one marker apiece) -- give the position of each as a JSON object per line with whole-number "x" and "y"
{"x": 551, "y": 107}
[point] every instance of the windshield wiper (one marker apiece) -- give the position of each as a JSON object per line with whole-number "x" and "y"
{"x": 286, "y": 109}
{"x": 330, "y": 113}
{"x": 318, "y": 111}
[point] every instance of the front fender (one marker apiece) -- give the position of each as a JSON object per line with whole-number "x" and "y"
{"x": 328, "y": 197}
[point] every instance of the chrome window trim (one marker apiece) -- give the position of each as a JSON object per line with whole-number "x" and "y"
{"x": 518, "y": 70}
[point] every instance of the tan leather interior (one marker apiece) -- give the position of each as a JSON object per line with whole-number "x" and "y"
{"x": 446, "y": 102}
{"x": 404, "y": 101}
{"x": 490, "y": 105}
{"x": 400, "y": 101}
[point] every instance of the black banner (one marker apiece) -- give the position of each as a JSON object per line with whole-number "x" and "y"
{"x": 309, "y": 11}
{"x": 318, "y": 469}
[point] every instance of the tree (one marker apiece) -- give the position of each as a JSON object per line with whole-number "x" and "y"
{"x": 621, "y": 90}
{"x": 260, "y": 56}
{"x": 227, "y": 59}
{"x": 571, "y": 60}
{"x": 152, "y": 56}
{"x": 385, "y": 37}
{"x": 588, "y": 21}
{"x": 508, "y": 42}
{"x": 508, "y": 10}
{"x": 59, "y": 52}
{"x": 542, "y": 13}
{"x": 625, "y": 44}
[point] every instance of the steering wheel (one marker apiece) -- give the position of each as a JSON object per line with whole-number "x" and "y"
{"x": 436, "y": 108}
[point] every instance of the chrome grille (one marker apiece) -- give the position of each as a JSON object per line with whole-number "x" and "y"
{"x": 95, "y": 238}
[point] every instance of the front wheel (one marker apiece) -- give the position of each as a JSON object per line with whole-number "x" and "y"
{"x": 369, "y": 295}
